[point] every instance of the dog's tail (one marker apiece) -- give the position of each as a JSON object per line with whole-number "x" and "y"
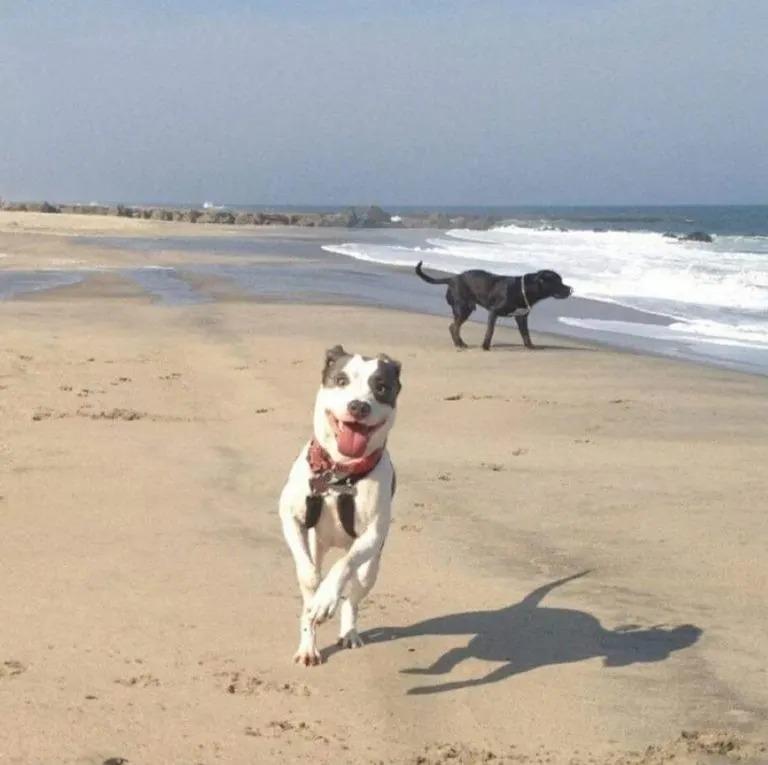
{"x": 430, "y": 279}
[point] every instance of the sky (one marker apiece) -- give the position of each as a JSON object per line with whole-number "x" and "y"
{"x": 420, "y": 102}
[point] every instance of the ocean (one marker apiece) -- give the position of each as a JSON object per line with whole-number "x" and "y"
{"x": 711, "y": 298}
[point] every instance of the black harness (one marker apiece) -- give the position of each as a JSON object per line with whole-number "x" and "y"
{"x": 345, "y": 503}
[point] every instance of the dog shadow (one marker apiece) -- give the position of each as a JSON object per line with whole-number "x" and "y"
{"x": 525, "y": 636}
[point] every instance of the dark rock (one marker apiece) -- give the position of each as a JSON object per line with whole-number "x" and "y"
{"x": 696, "y": 236}
{"x": 439, "y": 220}
{"x": 244, "y": 219}
{"x": 217, "y": 216}
{"x": 92, "y": 209}
{"x": 307, "y": 219}
{"x": 274, "y": 219}
{"x": 374, "y": 217}
{"x": 46, "y": 207}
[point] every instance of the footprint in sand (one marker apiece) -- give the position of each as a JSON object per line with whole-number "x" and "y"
{"x": 239, "y": 683}
{"x": 44, "y": 413}
{"x": 113, "y": 414}
{"x": 139, "y": 681}
{"x": 11, "y": 668}
{"x": 305, "y": 730}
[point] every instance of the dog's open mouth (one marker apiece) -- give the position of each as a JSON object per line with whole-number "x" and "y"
{"x": 352, "y": 437}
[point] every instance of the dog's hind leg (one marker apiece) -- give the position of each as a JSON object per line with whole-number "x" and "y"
{"x": 360, "y": 585}
{"x": 461, "y": 312}
{"x": 522, "y": 325}
{"x": 492, "y": 316}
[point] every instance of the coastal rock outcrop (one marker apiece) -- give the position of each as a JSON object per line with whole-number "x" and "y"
{"x": 694, "y": 236}
{"x": 370, "y": 217}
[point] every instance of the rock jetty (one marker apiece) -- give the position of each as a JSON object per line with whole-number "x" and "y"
{"x": 353, "y": 217}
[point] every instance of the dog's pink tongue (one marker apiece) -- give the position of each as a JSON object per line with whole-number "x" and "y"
{"x": 352, "y": 439}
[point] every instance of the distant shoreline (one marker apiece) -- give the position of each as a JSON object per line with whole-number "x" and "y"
{"x": 372, "y": 216}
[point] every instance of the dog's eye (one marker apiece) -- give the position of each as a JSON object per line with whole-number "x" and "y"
{"x": 380, "y": 389}
{"x": 341, "y": 380}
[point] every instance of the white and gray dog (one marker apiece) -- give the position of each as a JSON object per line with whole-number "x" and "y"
{"x": 339, "y": 493}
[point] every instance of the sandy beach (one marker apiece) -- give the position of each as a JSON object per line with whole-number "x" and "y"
{"x": 576, "y": 572}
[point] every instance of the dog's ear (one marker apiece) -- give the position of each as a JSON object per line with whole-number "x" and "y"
{"x": 547, "y": 276}
{"x": 388, "y": 360}
{"x": 332, "y": 354}
{"x": 391, "y": 369}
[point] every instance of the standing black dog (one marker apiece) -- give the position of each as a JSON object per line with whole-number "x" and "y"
{"x": 499, "y": 295}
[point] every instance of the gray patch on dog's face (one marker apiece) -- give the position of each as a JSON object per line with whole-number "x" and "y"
{"x": 336, "y": 359}
{"x": 385, "y": 381}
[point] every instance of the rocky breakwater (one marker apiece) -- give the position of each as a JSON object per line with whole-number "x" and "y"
{"x": 353, "y": 217}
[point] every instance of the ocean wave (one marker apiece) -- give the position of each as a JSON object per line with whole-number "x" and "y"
{"x": 715, "y": 290}
{"x": 692, "y": 332}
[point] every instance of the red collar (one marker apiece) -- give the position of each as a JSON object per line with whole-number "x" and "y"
{"x": 325, "y": 470}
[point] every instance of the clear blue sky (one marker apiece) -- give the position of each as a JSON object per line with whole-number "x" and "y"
{"x": 351, "y": 101}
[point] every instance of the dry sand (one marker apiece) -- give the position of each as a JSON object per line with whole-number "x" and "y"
{"x": 576, "y": 572}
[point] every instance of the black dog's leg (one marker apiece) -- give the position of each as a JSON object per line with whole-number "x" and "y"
{"x": 461, "y": 312}
{"x": 522, "y": 325}
{"x": 492, "y": 316}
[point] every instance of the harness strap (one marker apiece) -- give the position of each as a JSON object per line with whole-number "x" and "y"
{"x": 314, "y": 503}
{"x": 345, "y": 506}
{"x": 525, "y": 296}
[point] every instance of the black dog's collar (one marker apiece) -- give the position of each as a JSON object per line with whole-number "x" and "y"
{"x": 523, "y": 311}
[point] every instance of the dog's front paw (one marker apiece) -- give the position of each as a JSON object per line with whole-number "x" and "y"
{"x": 350, "y": 640}
{"x": 324, "y": 603}
{"x": 308, "y": 656}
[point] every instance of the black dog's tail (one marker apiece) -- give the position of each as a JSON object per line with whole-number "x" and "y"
{"x": 430, "y": 279}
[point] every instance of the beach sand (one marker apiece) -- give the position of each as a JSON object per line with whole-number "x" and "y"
{"x": 576, "y": 570}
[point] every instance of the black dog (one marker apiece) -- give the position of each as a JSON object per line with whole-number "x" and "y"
{"x": 499, "y": 295}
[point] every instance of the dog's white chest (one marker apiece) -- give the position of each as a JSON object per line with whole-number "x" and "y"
{"x": 330, "y": 528}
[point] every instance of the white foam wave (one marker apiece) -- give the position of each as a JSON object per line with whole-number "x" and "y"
{"x": 693, "y": 332}
{"x": 717, "y": 292}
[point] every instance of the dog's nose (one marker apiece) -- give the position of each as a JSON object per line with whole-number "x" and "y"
{"x": 359, "y": 409}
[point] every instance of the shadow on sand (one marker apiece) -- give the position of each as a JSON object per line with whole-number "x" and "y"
{"x": 525, "y": 636}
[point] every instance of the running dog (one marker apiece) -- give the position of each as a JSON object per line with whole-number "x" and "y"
{"x": 499, "y": 295}
{"x": 339, "y": 493}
